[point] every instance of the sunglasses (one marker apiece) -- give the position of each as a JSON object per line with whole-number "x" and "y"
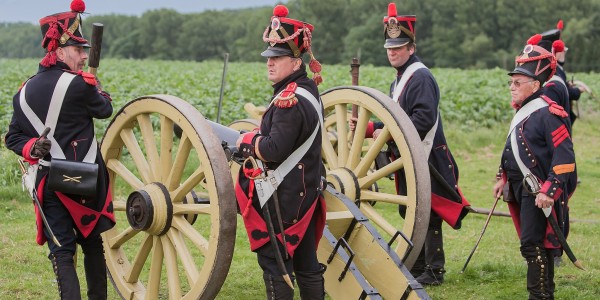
{"x": 517, "y": 83}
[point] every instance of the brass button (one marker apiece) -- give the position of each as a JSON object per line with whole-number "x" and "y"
{"x": 444, "y": 147}
{"x": 295, "y": 221}
{"x": 300, "y": 167}
{"x": 301, "y": 194}
{"x": 436, "y": 232}
{"x": 75, "y": 144}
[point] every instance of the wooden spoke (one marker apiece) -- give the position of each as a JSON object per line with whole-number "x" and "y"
{"x": 366, "y": 195}
{"x": 341, "y": 113}
{"x": 184, "y": 255}
{"x": 183, "y": 153}
{"x": 150, "y": 145}
{"x": 160, "y": 246}
{"x": 188, "y": 231}
{"x": 196, "y": 209}
{"x": 369, "y": 179}
{"x": 119, "y": 205}
{"x": 354, "y": 173}
{"x": 138, "y": 262}
{"x": 369, "y": 157}
{"x": 170, "y": 255}
{"x": 357, "y": 143}
{"x": 120, "y": 169}
{"x": 122, "y": 238}
{"x": 136, "y": 153}
{"x": 166, "y": 146}
{"x": 156, "y": 264}
{"x": 188, "y": 185}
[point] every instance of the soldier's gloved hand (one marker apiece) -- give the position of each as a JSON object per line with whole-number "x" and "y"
{"x": 41, "y": 147}
{"x": 246, "y": 144}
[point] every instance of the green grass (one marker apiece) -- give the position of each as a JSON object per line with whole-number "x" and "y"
{"x": 496, "y": 271}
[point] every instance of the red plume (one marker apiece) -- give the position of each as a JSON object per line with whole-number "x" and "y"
{"x": 280, "y": 11}
{"x": 392, "y": 12}
{"x": 558, "y": 46}
{"x": 534, "y": 40}
{"x": 560, "y": 25}
{"x": 78, "y": 6}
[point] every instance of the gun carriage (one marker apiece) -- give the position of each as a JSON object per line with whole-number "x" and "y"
{"x": 175, "y": 204}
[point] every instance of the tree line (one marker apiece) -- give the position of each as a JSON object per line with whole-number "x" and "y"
{"x": 449, "y": 33}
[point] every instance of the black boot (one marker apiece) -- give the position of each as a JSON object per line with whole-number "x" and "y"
{"x": 95, "y": 268}
{"x": 419, "y": 266}
{"x": 538, "y": 272}
{"x": 550, "y": 282}
{"x": 434, "y": 257}
{"x": 277, "y": 288}
{"x": 66, "y": 275}
{"x": 312, "y": 284}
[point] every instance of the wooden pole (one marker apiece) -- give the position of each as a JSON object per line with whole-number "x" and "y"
{"x": 94, "y": 60}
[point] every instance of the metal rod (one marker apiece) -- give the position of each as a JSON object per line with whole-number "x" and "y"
{"x": 487, "y": 221}
{"x": 354, "y": 71}
{"x": 222, "y": 88}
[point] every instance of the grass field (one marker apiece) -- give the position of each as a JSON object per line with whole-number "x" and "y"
{"x": 496, "y": 271}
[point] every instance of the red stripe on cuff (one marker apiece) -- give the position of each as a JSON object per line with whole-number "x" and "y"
{"x": 26, "y": 152}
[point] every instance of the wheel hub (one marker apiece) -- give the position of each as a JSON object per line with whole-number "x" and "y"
{"x": 345, "y": 182}
{"x": 150, "y": 209}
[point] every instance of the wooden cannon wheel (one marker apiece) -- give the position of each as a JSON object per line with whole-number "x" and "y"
{"x": 349, "y": 160}
{"x": 173, "y": 200}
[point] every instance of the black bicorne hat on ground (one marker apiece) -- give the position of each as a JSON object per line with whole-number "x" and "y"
{"x": 398, "y": 30}
{"x": 62, "y": 30}
{"x": 535, "y": 61}
{"x": 289, "y": 37}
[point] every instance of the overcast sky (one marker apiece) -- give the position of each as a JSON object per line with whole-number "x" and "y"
{"x": 33, "y": 10}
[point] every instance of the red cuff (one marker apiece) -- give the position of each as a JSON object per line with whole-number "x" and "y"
{"x": 249, "y": 138}
{"x": 552, "y": 189}
{"x": 26, "y": 153}
{"x": 370, "y": 129}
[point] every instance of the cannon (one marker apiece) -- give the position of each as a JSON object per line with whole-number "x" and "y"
{"x": 176, "y": 210}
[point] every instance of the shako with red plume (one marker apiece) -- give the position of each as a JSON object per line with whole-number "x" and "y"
{"x": 535, "y": 61}
{"x": 289, "y": 37}
{"x": 398, "y": 30}
{"x": 62, "y": 30}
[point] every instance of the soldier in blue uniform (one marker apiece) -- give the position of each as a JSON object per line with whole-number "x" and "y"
{"x": 539, "y": 143}
{"x": 553, "y": 36}
{"x": 73, "y": 219}
{"x": 555, "y": 88}
{"x": 416, "y": 91}
{"x": 291, "y": 120}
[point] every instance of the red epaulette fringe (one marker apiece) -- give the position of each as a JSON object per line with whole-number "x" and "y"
{"x": 287, "y": 98}
{"x": 554, "y": 108}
